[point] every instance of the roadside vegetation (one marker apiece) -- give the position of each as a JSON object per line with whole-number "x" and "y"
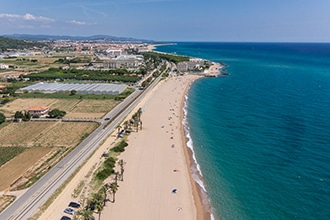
{"x": 5, "y": 201}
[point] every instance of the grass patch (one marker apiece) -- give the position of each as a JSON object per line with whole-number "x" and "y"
{"x": 5, "y": 201}
{"x": 106, "y": 170}
{"x": 120, "y": 147}
{"x": 78, "y": 189}
{"x": 7, "y": 153}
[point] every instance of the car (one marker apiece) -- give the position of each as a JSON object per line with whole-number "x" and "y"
{"x": 69, "y": 211}
{"x": 105, "y": 155}
{"x": 74, "y": 205}
{"x": 107, "y": 119}
{"x": 65, "y": 218}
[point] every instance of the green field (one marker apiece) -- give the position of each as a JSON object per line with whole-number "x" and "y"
{"x": 7, "y": 153}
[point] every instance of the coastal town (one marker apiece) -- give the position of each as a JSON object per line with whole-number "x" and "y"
{"x": 106, "y": 89}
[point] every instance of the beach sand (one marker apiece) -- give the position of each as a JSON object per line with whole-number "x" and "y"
{"x": 157, "y": 162}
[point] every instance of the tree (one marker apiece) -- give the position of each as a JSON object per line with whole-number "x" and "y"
{"x": 144, "y": 83}
{"x": 56, "y": 113}
{"x": 113, "y": 187}
{"x": 26, "y": 116}
{"x": 98, "y": 201}
{"x": 86, "y": 213}
{"x": 104, "y": 189}
{"x": 2, "y": 118}
{"x": 18, "y": 114}
{"x": 73, "y": 92}
{"x": 121, "y": 164}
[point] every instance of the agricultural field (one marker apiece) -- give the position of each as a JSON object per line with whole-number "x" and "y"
{"x": 40, "y": 62}
{"x": 16, "y": 167}
{"x": 24, "y": 133}
{"x": 23, "y": 104}
{"x": 46, "y": 134}
{"x": 65, "y": 104}
{"x": 75, "y": 108}
{"x": 32, "y": 147}
{"x": 92, "y": 108}
{"x": 7, "y": 153}
{"x": 67, "y": 134}
{"x": 28, "y": 149}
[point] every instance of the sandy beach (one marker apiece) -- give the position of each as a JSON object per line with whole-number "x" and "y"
{"x": 157, "y": 162}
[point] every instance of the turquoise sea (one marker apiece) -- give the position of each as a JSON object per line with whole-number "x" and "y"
{"x": 261, "y": 135}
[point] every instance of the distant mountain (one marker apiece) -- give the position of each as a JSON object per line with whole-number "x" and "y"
{"x": 105, "y": 38}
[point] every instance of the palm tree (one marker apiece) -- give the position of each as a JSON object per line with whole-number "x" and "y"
{"x": 98, "y": 201}
{"x": 86, "y": 214}
{"x": 114, "y": 187}
{"x": 116, "y": 176}
{"x": 136, "y": 124}
{"x": 140, "y": 113}
{"x": 103, "y": 191}
{"x": 121, "y": 164}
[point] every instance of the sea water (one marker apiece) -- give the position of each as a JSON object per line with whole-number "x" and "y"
{"x": 261, "y": 135}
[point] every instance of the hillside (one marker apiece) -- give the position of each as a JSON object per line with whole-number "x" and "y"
{"x": 9, "y": 44}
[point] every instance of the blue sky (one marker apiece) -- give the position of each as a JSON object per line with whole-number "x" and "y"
{"x": 172, "y": 20}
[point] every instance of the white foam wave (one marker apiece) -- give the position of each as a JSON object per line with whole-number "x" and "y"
{"x": 195, "y": 169}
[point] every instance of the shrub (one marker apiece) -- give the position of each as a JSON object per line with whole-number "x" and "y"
{"x": 107, "y": 169}
{"x": 120, "y": 147}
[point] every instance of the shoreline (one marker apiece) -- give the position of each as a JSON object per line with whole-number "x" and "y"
{"x": 204, "y": 209}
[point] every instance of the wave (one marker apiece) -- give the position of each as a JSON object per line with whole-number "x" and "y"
{"x": 195, "y": 167}
{"x": 196, "y": 171}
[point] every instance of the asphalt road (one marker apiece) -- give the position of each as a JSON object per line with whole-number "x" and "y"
{"x": 26, "y": 205}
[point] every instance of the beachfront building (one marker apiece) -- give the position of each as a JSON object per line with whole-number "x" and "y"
{"x": 192, "y": 65}
{"x": 182, "y": 66}
{"x": 38, "y": 110}
{"x": 124, "y": 61}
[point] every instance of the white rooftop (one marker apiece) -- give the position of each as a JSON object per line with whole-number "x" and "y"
{"x": 100, "y": 88}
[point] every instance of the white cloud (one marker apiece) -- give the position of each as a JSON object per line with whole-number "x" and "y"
{"x": 78, "y": 22}
{"x": 26, "y": 17}
{"x": 9, "y": 16}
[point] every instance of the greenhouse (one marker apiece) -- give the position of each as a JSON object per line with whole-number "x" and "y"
{"x": 98, "y": 89}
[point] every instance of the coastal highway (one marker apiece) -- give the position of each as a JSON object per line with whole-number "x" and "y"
{"x": 26, "y": 205}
